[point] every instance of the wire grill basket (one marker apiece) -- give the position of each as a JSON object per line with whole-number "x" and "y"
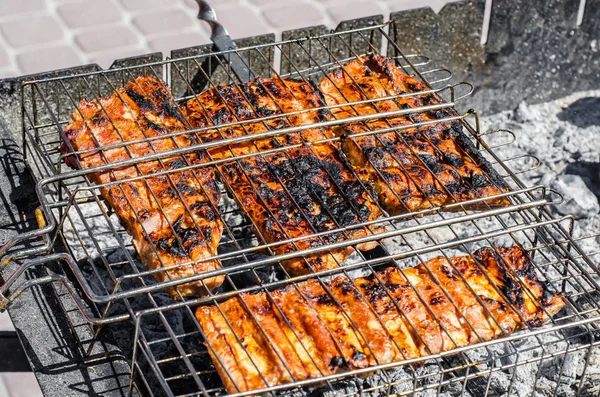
{"x": 110, "y": 286}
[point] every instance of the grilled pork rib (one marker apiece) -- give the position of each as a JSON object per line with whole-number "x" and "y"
{"x": 413, "y": 168}
{"x": 170, "y": 217}
{"x": 307, "y": 188}
{"x": 319, "y": 328}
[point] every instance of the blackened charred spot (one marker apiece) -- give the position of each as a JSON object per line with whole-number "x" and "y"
{"x": 221, "y": 116}
{"x": 197, "y": 242}
{"x": 432, "y": 163}
{"x": 347, "y": 288}
{"x": 511, "y": 288}
{"x": 134, "y": 190}
{"x": 447, "y": 270}
{"x": 374, "y": 153}
{"x": 99, "y": 119}
{"x": 140, "y": 100}
{"x": 325, "y": 299}
{"x": 454, "y": 160}
{"x": 155, "y": 127}
{"x": 454, "y": 188}
{"x": 536, "y": 322}
{"x": 337, "y": 73}
{"x": 441, "y": 114}
{"x": 183, "y": 187}
{"x": 163, "y": 244}
{"x": 323, "y": 115}
{"x": 242, "y": 111}
{"x": 437, "y": 300}
{"x": 144, "y": 215}
{"x": 177, "y": 224}
{"x": 168, "y": 192}
{"x": 171, "y": 246}
{"x": 498, "y": 306}
{"x": 429, "y": 99}
{"x": 337, "y": 362}
{"x": 177, "y": 163}
{"x": 263, "y": 111}
{"x": 358, "y": 356}
{"x": 198, "y": 205}
{"x": 210, "y": 215}
{"x": 479, "y": 181}
{"x": 413, "y": 85}
{"x": 188, "y": 234}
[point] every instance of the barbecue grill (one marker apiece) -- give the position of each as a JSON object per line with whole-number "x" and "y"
{"x": 81, "y": 250}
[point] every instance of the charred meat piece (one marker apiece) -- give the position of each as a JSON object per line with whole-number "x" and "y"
{"x": 243, "y": 356}
{"x": 302, "y": 189}
{"x": 392, "y": 315}
{"x": 511, "y": 272}
{"x": 353, "y": 346}
{"x": 170, "y": 217}
{"x": 378, "y": 344}
{"x": 312, "y": 339}
{"x": 411, "y": 168}
{"x": 318, "y": 328}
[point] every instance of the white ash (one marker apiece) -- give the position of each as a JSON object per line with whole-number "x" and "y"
{"x": 563, "y": 134}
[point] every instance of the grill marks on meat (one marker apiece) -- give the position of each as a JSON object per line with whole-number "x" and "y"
{"x": 412, "y": 168}
{"x": 187, "y": 229}
{"x": 297, "y": 192}
{"x": 320, "y": 328}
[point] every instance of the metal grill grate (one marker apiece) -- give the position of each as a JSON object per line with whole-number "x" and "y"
{"x": 87, "y": 237}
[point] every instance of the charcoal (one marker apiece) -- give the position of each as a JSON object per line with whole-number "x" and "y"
{"x": 578, "y": 199}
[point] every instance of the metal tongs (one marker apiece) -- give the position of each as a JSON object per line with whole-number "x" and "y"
{"x": 237, "y": 62}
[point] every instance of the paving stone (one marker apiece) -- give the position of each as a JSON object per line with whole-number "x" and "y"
{"x": 106, "y": 59}
{"x": 231, "y": 18}
{"x": 4, "y": 58}
{"x": 22, "y": 384}
{"x": 89, "y": 13}
{"x": 193, "y": 5}
{"x": 12, "y": 7}
{"x": 144, "y": 5}
{"x": 163, "y": 21}
{"x": 5, "y": 74}
{"x": 47, "y": 58}
{"x": 165, "y": 44}
{"x": 3, "y": 389}
{"x": 30, "y": 31}
{"x": 293, "y": 15}
{"x": 5, "y": 323}
{"x": 401, "y": 5}
{"x": 353, "y": 10}
{"x": 264, "y": 2}
{"x": 104, "y": 38}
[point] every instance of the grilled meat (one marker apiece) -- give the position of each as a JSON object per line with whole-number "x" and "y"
{"x": 411, "y": 168}
{"x": 391, "y": 315}
{"x": 305, "y": 189}
{"x": 170, "y": 217}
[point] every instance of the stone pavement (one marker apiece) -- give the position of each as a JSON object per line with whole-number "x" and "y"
{"x": 40, "y": 35}
{"x": 16, "y": 384}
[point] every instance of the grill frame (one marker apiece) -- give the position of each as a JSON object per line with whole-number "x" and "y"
{"x": 524, "y": 194}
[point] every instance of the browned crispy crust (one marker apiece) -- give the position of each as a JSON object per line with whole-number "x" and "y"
{"x": 388, "y": 316}
{"x": 187, "y": 228}
{"x": 414, "y": 168}
{"x": 303, "y": 190}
